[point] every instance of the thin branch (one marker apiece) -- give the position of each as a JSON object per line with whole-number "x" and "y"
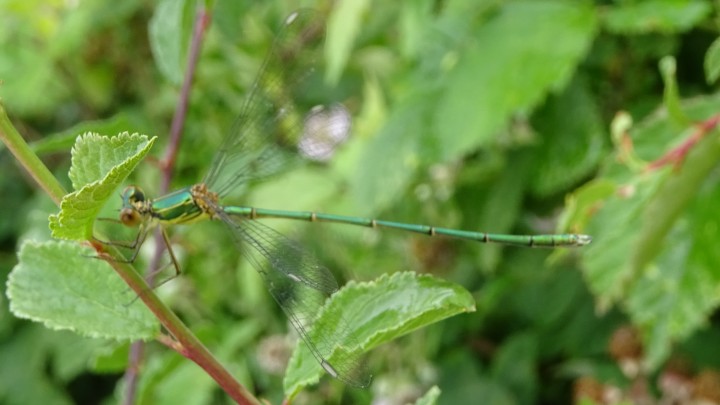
{"x": 186, "y": 343}
{"x": 28, "y": 159}
{"x": 167, "y": 165}
{"x": 202, "y": 20}
{"x": 677, "y": 155}
{"x": 135, "y": 358}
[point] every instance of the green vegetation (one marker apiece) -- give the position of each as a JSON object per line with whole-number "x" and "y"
{"x": 525, "y": 117}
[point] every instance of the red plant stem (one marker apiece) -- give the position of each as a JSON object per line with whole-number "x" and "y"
{"x": 135, "y": 358}
{"x": 182, "y": 340}
{"x": 191, "y": 350}
{"x": 202, "y": 20}
{"x": 677, "y": 154}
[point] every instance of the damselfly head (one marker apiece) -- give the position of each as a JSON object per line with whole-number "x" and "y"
{"x": 133, "y": 200}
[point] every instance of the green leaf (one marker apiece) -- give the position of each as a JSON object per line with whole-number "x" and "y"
{"x": 578, "y": 206}
{"x": 56, "y": 283}
{"x": 571, "y": 141}
{"x": 672, "y": 301}
{"x": 72, "y": 353}
{"x": 372, "y": 115}
{"x": 111, "y": 359}
{"x": 678, "y": 288}
{"x": 614, "y": 230}
{"x": 376, "y": 312}
{"x": 514, "y": 366}
{"x": 650, "y": 250}
{"x": 226, "y": 17}
{"x": 391, "y": 158}
{"x": 416, "y": 18}
{"x": 430, "y": 397}
{"x": 176, "y": 382}
{"x": 671, "y": 95}
{"x": 37, "y": 92}
{"x": 470, "y": 385}
{"x": 496, "y": 207}
{"x": 712, "y": 62}
{"x": 525, "y": 51}
{"x": 169, "y": 32}
{"x": 655, "y": 15}
{"x": 99, "y": 165}
{"x": 96, "y": 157}
{"x": 62, "y": 141}
{"x": 24, "y": 371}
{"x": 344, "y": 25}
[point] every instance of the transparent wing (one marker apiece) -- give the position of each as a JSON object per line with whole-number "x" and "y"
{"x": 264, "y": 138}
{"x": 300, "y": 285}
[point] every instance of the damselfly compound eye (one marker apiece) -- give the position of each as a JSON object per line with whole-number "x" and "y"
{"x": 129, "y": 217}
{"x": 131, "y": 195}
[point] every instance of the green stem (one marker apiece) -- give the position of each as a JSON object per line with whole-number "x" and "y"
{"x": 28, "y": 159}
{"x": 185, "y": 342}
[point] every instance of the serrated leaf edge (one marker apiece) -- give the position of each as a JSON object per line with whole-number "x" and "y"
{"x": 48, "y": 323}
{"x": 57, "y": 220}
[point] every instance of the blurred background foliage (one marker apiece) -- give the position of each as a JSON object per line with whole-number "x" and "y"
{"x": 481, "y": 115}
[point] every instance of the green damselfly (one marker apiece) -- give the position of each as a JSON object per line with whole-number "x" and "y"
{"x": 257, "y": 147}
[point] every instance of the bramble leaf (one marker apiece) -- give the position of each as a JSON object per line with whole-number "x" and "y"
{"x": 57, "y": 284}
{"x": 99, "y": 165}
{"x": 650, "y": 250}
{"x": 375, "y": 313}
{"x": 510, "y": 68}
